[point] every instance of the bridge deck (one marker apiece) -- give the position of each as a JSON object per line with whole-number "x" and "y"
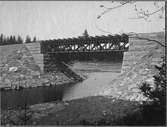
{"x": 87, "y": 51}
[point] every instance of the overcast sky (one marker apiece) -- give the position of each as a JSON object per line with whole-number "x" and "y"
{"x": 64, "y": 19}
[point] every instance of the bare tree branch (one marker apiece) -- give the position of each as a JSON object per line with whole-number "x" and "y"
{"x": 147, "y": 39}
{"x": 136, "y": 36}
{"x": 141, "y": 14}
{"x": 145, "y": 14}
{"x": 112, "y": 8}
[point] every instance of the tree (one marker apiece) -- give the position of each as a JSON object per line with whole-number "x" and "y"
{"x": 4, "y": 40}
{"x": 19, "y": 40}
{"x": 141, "y": 13}
{"x": 159, "y": 92}
{"x": 14, "y": 40}
{"x": 1, "y": 39}
{"x": 154, "y": 112}
{"x": 85, "y": 34}
{"x": 157, "y": 109}
{"x": 7, "y": 40}
{"x": 28, "y": 39}
{"x": 34, "y": 39}
{"x": 10, "y": 40}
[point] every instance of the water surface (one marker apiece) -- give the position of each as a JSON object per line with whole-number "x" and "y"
{"x": 100, "y": 76}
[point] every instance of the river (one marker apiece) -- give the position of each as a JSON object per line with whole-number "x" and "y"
{"x": 99, "y": 77}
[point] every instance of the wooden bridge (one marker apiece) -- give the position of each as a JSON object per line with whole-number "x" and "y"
{"x": 47, "y": 53}
{"x": 86, "y": 44}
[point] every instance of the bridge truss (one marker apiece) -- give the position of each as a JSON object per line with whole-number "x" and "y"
{"x": 89, "y": 44}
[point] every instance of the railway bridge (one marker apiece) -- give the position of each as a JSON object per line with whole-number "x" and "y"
{"x": 86, "y": 44}
{"x": 81, "y": 48}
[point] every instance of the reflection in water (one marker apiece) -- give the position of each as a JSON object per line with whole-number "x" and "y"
{"x": 97, "y": 66}
{"x": 95, "y": 83}
{"x": 30, "y": 96}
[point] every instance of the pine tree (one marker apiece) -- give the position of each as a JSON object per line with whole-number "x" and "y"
{"x": 19, "y": 40}
{"x": 4, "y": 40}
{"x": 14, "y": 40}
{"x": 7, "y": 40}
{"x": 11, "y": 39}
{"x": 1, "y": 39}
{"x": 34, "y": 39}
{"x": 28, "y": 39}
{"x": 85, "y": 34}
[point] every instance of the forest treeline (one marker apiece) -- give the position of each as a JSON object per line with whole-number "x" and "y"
{"x": 7, "y": 40}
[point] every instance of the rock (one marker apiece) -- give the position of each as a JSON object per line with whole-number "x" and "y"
{"x": 150, "y": 81}
{"x": 105, "y": 92}
{"x": 104, "y": 112}
{"x": 47, "y": 84}
{"x": 45, "y": 80}
{"x": 22, "y": 76}
{"x": 147, "y": 69}
{"x": 13, "y": 69}
{"x": 119, "y": 92}
{"x": 130, "y": 87}
{"x": 66, "y": 103}
{"x": 136, "y": 97}
{"x": 35, "y": 74}
{"x": 18, "y": 51}
{"x": 135, "y": 90}
{"x": 132, "y": 98}
{"x": 7, "y": 81}
{"x": 143, "y": 72}
{"x": 121, "y": 84}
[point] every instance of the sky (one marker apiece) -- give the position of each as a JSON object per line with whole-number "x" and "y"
{"x": 67, "y": 19}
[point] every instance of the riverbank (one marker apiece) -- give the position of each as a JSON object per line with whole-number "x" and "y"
{"x": 19, "y": 70}
{"x": 97, "y": 110}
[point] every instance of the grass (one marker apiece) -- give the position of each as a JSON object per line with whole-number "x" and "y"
{"x": 96, "y": 110}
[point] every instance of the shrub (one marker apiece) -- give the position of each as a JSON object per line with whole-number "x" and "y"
{"x": 155, "y": 112}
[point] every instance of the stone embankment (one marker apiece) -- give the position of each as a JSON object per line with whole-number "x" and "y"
{"x": 35, "y": 50}
{"x": 138, "y": 67}
{"x": 20, "y": 70}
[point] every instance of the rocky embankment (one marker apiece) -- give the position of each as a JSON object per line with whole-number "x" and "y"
{"x": 18, "y": 69}
{"x": 141, "y": 59}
